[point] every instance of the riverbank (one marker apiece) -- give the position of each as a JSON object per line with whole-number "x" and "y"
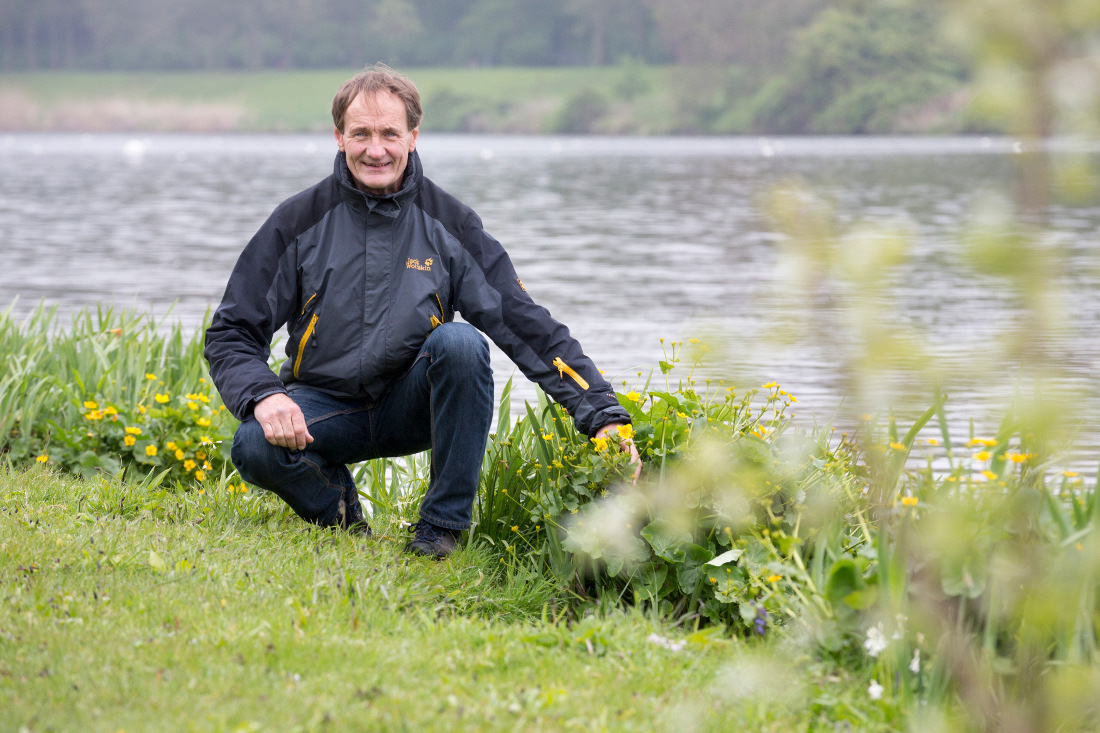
{"x": 630, "y": 99}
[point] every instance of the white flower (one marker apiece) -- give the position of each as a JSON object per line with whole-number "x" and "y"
{"x": 669, "y": 644}
{"x": 875, "y": 690}
{"x": 876, "y": 641}
{"x": 914, "y": 666}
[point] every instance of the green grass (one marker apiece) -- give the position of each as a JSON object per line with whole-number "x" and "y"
{"x": 129, "y": 608}
{"x": 510, "y": 99}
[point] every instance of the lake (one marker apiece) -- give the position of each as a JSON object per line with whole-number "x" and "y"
{"x": 626, "y": 240}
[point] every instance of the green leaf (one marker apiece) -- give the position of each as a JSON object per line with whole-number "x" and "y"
{"x": 667, "y": 540}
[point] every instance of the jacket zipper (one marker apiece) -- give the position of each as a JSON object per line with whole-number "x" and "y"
{"x": 564, "y": 369}
{"x": 442, "y": 316}
{"x": 302, "y": 343}
{"x": 308, "y": 302}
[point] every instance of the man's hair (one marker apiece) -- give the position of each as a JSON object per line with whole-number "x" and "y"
{"x": 374, "y": 79}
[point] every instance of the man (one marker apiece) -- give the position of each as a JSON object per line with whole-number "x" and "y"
{"x": 368, "y": 268}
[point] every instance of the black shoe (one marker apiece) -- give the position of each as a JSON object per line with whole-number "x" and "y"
{"x": 432, "y": 541}
{"x": 351, "y": 515}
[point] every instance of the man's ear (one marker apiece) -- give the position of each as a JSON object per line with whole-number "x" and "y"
{"x": 339, "y": 138}
{"x": 415, "y": 134}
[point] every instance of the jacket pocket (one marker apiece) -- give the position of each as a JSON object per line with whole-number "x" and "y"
{"x": 310, "y": 332}
{"x": 564, "y": 369}
{"x": 439, "y": 320}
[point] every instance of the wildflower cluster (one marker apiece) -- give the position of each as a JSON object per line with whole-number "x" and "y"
{"x": 159, "y": 431}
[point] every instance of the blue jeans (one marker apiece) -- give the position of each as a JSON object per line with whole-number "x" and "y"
{"x": 443, "y": 402}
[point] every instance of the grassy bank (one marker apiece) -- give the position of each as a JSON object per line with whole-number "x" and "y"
{"x": 129, "y": 608}
{"x": 620, "y": 99}
{"x": 629, "y": 98}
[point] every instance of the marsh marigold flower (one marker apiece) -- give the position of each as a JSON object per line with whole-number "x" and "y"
{"x": 171, "y": 445}
{"x": 982, "y": 455}
{"x": 989, "y": 475}
{"x": 200, "y": 475}
{"x": 161, "y": 398}
{"x": 188, "y": 465}
{"x": 179, "y": 454}
{"x": 42, "y": 458}
{"x": 633, "y": 396}
{"x": 774, "y": 578}
{"x": 601, "y": 443}
{"x": 897, "y": 446}
{"x": 129, "y": 440}
{"x": 908, "y": 501}
{"x": 150, "y": 376}
{"x": 89, "y": 405}
{"x": 625, "y": 431}
{"x": 192, "y": 406}
{"x": 150, "y": 450}
{"x": 203, "y": 422}
{"x": 133, "y": 431}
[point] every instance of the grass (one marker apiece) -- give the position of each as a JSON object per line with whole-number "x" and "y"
{"x": 124, "y": 607}
{"x": 509, "y": 99}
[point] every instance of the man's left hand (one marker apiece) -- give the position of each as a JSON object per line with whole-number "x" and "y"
{"x": 624, "y": 445}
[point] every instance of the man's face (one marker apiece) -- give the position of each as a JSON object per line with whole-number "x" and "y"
{"x": 377, "y": 141}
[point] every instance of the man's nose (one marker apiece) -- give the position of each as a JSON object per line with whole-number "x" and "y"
{"x": 375, "y": 148}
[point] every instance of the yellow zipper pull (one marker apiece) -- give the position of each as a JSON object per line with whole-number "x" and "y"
{"x": 564, "y": 369}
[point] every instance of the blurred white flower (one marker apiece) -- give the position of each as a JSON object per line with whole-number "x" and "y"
{"x": 876, "y": 641}
{"x": 914, "y": 666}
{"x": 670, "y": 644}
{"x": 875, "y": 690}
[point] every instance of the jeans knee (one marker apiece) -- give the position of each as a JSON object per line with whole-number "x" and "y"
{"x": 463, "y": 344}
{"x": 251, "y": 452}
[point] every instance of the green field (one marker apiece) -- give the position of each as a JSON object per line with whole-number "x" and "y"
{"x": 627, "y": 98}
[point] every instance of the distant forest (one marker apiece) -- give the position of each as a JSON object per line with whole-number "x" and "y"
{"x": 175, "y": 35}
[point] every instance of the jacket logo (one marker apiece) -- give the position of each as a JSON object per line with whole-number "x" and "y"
{"x": 411, "y": 264}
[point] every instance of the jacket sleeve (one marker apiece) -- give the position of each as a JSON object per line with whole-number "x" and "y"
{"x": 491, "y": 296}
{"x": 258, "y": 300}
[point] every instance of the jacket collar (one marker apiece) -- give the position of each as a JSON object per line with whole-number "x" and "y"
{"x": 389, "y": 204}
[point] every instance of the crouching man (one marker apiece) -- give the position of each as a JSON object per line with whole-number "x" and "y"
{"x": 368, "y": 268}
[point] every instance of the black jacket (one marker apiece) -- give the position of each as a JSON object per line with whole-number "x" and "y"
{"x": 363, "y": 279}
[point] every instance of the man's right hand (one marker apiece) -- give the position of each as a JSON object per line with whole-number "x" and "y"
{"x": 283, "y": 422}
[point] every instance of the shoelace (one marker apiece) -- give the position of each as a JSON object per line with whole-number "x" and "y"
{"x": 425, "y": 531}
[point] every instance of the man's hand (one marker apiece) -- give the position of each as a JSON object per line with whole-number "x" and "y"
{"x": 624, "y": 445}
{"x": 283, "y": 422}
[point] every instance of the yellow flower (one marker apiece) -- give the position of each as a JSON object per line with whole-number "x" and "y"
{"x": 681, "y": 415}
{"x": 988, "y": 442}
{"x": 633, "y": 396}
{"x": 908, "y": 501}
{"x": 203, "y": 422}
{"x": 625, "y": 431}
{"x": 90, "y": 405}
{"x": 203, "y": 398}
{"x": 933, "y": 441}
{"x": 42, "y": 458}
{"x": 1019, "y": 457}
{"x": 989, "y": 475}
{"x": 129, "y": 440}
{"x": 192, "y": 406}
{"x": 515, "y": 528}
{"x": 206, "y": 465}
{"x": 94, "y": 415}
{"x": 161, "y": 398}
{"x": 201, "y": 476}
{"x": 769, "y": 385}
{"x": 171, "y": 445}
{"x": 201, "y": 455}
{"x": 897, "y": 446}
{"x": 150, "y": 376}
{"x": 1070, "y": 474}
{"x": 141, "y": 409}
{"x": 110, "y": 410}
{"x": 133, "y": 431}
{"x": 792, "y": 398}
{"x": 205, "y": 440}
{"x": 179, "y": 454}
{"x": 774, "y": 578}
{"x": 601, "y": 443}
{"x": 188, "y": 465}
{"x": 150, "y": 450}
{"x": 547, "y": 436}
{"x": 982, "y": 455}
